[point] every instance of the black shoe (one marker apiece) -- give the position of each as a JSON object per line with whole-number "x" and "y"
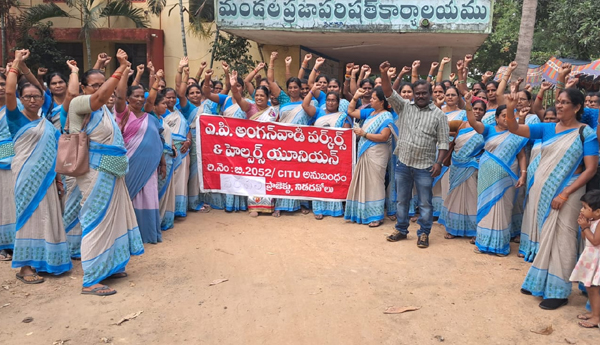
{"x": 526, "y": 292}
{"x": 423, "y": 241}
{"x": 396, "y": 236}
{"x": 553, "y": 303}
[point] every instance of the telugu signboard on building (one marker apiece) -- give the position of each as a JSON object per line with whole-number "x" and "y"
{"x": 357, "y": 15}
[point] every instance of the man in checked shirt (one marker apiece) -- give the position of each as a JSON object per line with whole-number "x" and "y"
{"x": 423, "y": 132}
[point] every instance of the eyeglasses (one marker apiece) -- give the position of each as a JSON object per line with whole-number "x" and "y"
{"x": 30, "y": 98}
{"x": 95, "y": 86}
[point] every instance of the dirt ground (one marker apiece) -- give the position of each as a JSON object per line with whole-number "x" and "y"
{"x": 292, "y": 280}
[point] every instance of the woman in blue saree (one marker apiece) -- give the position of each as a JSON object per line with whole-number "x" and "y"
{"x": 491, "y": 88}
{"x": 193, "y": 103}
{"x": 141, "y": 134}
{"x": 54, "y": 97}
{"x": 72, "y": 197}
{"x": 331, "y": 117}
{"x": 568, "y": 160}
{"x": 166, "y": 188}
{"x": 110, "y": 231}
{"x": 498, "y": 177}
{"x": 454, "y": 112}
{"x": 459, "y": 213}
{"x": 229, "y": 108}
{"x": 182, "y": 139}
{"x": 40, "y": 240}
{"x": 290, "y": 111}
{"x": 7, "y": 194}
{"x": 365, "y": 203}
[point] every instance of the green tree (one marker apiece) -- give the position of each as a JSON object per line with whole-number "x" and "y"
{"x": 235, "y": 51}
{"x": 91, "y": 11}
{"x": 574, "y": 26}
{"x": 501, "y": 45}
{"x": 44, "y": 50}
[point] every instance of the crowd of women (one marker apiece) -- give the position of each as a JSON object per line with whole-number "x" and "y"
{"x": 515, "y": 172}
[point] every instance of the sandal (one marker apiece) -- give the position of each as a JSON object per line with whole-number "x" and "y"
{"x": 517, "y": 239}
{"x": 392, "y": 218}
{"x": 583, "y": 317}
{"x": 276, "y": 214}
{"x": 449, "y": 236}
{"x": 414, "y": 219}
{"x": 96, "y": 291}
{"x": 375, "y": 224}
{"x": 36, "y": 279}
{"x": 118, "y": 276}
{"x": 318, "y": 216}
{"x": 305, "y": 210}
{"x": 473, "y": 240}
{"x": 204, "y": 209}
{"x": 5, "y": 256}
{"x": 520, "y": 255}
{"x": 586, "y": 324}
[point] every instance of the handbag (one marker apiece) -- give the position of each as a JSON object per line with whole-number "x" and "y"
{"x": 448, "y": 159}
{"x": 72, "y": 158}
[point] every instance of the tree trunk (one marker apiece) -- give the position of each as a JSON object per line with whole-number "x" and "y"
{"x": 183, "y": 41}
{"x": 4, "y": 42}
{"x": 212, "y": 54}
{"x": 88, "y": 47}
{"x": 525, "y": 38}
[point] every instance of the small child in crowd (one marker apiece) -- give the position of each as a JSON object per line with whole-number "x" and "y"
{"x": 587, "y": 270}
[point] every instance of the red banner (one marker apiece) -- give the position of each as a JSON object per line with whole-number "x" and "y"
{"x": 252, "y": 158}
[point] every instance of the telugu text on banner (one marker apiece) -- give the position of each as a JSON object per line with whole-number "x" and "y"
{"x": 269, "y": 159}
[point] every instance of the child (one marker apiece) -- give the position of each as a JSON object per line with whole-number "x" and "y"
{"x": 587, "y": 269}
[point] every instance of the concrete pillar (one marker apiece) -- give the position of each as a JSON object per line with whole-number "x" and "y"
{"x": 443, "y": 52}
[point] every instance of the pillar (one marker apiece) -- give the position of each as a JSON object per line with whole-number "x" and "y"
{"x": 443, "y": 52}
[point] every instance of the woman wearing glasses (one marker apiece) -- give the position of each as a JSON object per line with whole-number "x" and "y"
{"x": 557, "y": 178}
{"x": 40, "y": 240}
{"x": 110, "y": 230}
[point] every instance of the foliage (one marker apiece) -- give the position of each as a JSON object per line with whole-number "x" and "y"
{"x": 574, "y": 26}
{"x": 33, "y": 15}
{"x": 563, "y": 28}
{"x": 202, "y": 14}
{"x": 235, "y": 51}
{"x": 501, "y": 45}
{"x": 44, "y": 50}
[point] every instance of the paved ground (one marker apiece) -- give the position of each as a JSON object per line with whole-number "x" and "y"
{"x": 292, "y": 280}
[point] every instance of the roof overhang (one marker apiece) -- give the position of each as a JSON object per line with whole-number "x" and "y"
{"x": 363, "y": 31}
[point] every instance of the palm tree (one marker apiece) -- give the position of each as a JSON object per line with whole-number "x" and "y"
{"x": 201, "y": 11}
{"x": 525, "y": 38}
{"x": 91, "y": 12}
